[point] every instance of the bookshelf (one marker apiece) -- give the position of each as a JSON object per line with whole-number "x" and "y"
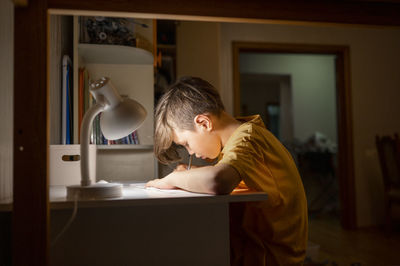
{"x": 113, "y": 54}
{"x": 131, "y": 70}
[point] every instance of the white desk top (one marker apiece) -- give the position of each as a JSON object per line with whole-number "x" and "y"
{"x": 137, "y": 194}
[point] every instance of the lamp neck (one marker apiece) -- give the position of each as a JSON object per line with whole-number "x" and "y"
{"x": 86, "y": 128}
{"x": 105, "y": 93}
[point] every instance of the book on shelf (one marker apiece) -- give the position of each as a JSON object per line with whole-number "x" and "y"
{"x": 87, "y": 96}
{"x": 67, "y": 102}
{"x": 81, "y": 109}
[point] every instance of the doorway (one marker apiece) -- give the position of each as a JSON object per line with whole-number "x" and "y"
{"x": 287, "y": 117}
{"x": 270, "y": 96}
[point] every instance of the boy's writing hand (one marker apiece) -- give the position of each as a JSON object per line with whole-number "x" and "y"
{"x": 219, "y": 179}
{"x": 183, "y": 167}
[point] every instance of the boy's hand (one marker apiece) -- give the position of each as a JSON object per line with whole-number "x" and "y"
{"x": 159, "y": 183}
{"x": 218, "y": 179}
{"x": 183, "y": 167}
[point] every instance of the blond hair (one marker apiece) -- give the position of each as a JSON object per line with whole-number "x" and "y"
{"x": 177, "y": 108}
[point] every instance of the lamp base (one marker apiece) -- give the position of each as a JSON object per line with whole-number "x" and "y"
{"x": 97, "y": 191}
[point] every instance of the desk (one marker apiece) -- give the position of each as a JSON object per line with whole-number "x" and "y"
{"x": 144, "y": 227}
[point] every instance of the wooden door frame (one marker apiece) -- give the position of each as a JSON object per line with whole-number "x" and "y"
{"x": 345, "y": 171}
{"x": 30, "y": 222}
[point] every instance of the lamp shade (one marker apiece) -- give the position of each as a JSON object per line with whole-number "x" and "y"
{"x": 121, "y": 116}
{"x": 123, "y": 119}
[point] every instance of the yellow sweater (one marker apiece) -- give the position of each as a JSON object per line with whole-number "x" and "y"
{"x": 272, "y": 232}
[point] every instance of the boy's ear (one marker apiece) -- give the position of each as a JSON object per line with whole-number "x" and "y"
{"x": 203, "y": 121}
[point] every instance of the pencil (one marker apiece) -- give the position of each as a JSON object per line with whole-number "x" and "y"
{"x": 190, "y": 162}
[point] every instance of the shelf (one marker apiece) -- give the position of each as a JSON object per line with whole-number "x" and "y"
{"x": 114, "y": 54}
{"x": 125, "y": 147}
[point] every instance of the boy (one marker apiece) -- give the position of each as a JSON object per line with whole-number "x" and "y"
{"x": 271, "y": 232}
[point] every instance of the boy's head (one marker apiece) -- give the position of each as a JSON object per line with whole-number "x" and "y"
{"x": 186, "y": 104}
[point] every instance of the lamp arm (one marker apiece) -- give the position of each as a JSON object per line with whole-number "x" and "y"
{"x": 86, "y": 127}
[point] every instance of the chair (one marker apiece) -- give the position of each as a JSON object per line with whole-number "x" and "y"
{"x": 389, "y": 158}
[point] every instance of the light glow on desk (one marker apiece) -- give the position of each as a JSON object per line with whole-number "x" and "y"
{"x": 134, "y": 194}
{"x": 132, "y": 191}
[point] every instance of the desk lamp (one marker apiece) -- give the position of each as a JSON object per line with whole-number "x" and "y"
{"x": 120, "y": 117}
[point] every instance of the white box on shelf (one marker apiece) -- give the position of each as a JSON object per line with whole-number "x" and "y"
{"x": 65, "y": 164}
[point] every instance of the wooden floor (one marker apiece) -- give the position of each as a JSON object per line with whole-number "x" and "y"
{"x": 366, "y": 247}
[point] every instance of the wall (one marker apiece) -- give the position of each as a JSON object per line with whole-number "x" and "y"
{"x": 375, "y": 82}
{"x": 6, "y": 118}
{"x": 313, "y": 88}
{"x": 198, "y": 50}
{"x": 6, "y": 97}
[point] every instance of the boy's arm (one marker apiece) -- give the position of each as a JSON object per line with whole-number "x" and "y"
{"x": 218, "y": 179}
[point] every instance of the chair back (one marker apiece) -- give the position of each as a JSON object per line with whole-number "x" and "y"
{"x": 389, "y": 158}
